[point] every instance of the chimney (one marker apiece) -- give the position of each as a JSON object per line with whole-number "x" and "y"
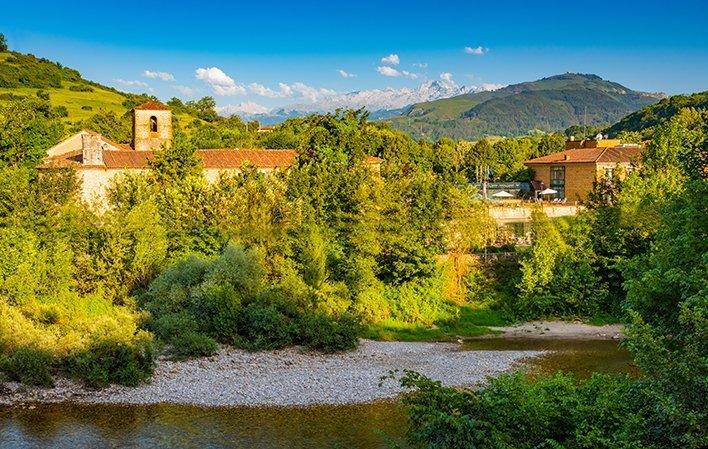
{"x": 572, "y": 138}
{"x": 566, "y": 157}
{"x": 91, "y": 149}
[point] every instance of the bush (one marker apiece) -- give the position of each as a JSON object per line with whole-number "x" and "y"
{"x": 193, "y": 344}
{"x": 60, "y": 111}
{"x": 107, "y": 362}
{"x": 329, "y": 334}
{"x": 80, "y": 88}
{"x": 217, "y": 309}
{"x": 263, "y": 326}
{"x": 172, "y": 325}
{"x": 30, "y": 366}
{"x": 87, "y": 108}
{"x": 514, "y": 411}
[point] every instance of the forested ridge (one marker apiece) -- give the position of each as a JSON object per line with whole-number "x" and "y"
{"x": 548, "y": 104}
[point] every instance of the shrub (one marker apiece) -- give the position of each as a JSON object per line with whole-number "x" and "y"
{"x": 263, "y": 326}
{"x": 60, "y": 111}
{"x": 329, "y": 334}
{"x": 193, "y": 344}
{"x": 87, "y": 108}
{"x": 514, "y": 411}
{"x": 80, "y": 88}
{"x": 106, "y": 362}
{"x": 172, "y": 325}
{"x": 217, "y": 309}
{"x": 30, "y": 366}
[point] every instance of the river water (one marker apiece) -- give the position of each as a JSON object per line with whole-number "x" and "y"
{"x": 366, "y": 426}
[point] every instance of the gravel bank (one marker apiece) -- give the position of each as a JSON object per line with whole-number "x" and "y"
{"x": 561, "y": 329}
{"x": 288, "y": 377}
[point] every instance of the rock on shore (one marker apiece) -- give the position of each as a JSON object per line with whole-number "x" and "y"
{"x": 288, "y": 377}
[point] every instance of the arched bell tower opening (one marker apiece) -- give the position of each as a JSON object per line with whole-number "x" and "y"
{"x": 152, "y": 126}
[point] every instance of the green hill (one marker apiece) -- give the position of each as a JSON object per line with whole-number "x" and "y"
{"x": 24, "y": 75}
{"x": 74, "y": 98}
{"x": 549, "y": 104}
{"x": 647, "y": 118}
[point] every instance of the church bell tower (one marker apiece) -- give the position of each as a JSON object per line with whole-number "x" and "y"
{"x": 152, "y": 126}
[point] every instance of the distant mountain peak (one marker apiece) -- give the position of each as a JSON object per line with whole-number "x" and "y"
{"x": 381, "y": 102}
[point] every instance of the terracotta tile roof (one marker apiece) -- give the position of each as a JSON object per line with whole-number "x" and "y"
{"x": 72, "y": 159}
{"x": 372, "y": 160}
{"x": 585, "y": 155}
{"x": 152, "y": 106}
{"x": 237, "y": 158}
{"x": 220, "y": 158}
{"x": 127, "y": 159}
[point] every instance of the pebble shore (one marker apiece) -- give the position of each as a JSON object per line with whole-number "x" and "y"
{"x": 288, "y": 377}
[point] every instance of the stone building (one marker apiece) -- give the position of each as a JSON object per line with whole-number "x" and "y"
{"x": 572, "y": 172}
{"x": 97, "y": 159}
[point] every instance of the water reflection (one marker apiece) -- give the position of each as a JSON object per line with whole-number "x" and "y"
{"x": 168, "y": 426}
{"x": 580, "y": 357}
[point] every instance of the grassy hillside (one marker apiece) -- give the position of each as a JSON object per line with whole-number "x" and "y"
{"x": 78, "y": 99}
{"x": 646, "y": 119}
{"x": 24, "y": 75}
{"x": 549, "y": 104}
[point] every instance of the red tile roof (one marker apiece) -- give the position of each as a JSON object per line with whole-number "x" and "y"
{"x": 216, "y": 158}
{"x": 588, "y": 155}
{"x": 219, "y": 158}
{"x": 152, "y": 106}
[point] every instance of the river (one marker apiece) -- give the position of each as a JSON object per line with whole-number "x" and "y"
{"x": 367, "y": 426}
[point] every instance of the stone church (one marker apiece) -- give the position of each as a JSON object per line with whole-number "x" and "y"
{"x": 97, "y": 160}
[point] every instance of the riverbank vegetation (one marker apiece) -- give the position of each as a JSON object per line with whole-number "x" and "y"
{"x": 652, "y": 247}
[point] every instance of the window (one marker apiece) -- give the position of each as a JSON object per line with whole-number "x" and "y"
{"x": 558, "y": 180}
{"x": 153, "y": 124}
{"x": 609, "y": 173}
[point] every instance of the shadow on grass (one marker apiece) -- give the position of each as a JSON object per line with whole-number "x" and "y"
{"x": 470, "y": 323}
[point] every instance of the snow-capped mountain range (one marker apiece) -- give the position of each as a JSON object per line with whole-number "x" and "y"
{"x": 380, "y": 102}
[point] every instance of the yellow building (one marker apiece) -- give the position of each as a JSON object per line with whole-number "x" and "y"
{"x": 572, "y": 172}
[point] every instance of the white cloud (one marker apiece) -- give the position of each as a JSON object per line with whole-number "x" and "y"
{"x": 391, "y": 72}
{"x": 132, "y": 83}
{"x": 391, "y": 59}
{"x": 185, "y": 90}
{"x": 246, "y": 107}
{"x": 476, "y": 50}
{"x": 309, "y": 93}
{"x": 420, "y": 65}
{"x": 263, "y": 91}
{"x": 388, "y": 71}
{"x": 220, "y": 82}
{"x": 345, "y": 74}
{"x": 164, "y": 76}
{"x": 446, "y": 76}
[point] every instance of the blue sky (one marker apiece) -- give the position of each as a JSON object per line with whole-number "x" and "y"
{"x": 256, "y": 46}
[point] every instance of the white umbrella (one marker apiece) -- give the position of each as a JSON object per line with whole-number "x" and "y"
{"x": 503, "y": 194}
{"x": 548, "y": 192}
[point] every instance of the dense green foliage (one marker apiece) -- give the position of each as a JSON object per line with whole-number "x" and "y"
{"x": 654, "y": 253}
{"x": 549, "y": 104}
{"x": 646, "y": 120}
